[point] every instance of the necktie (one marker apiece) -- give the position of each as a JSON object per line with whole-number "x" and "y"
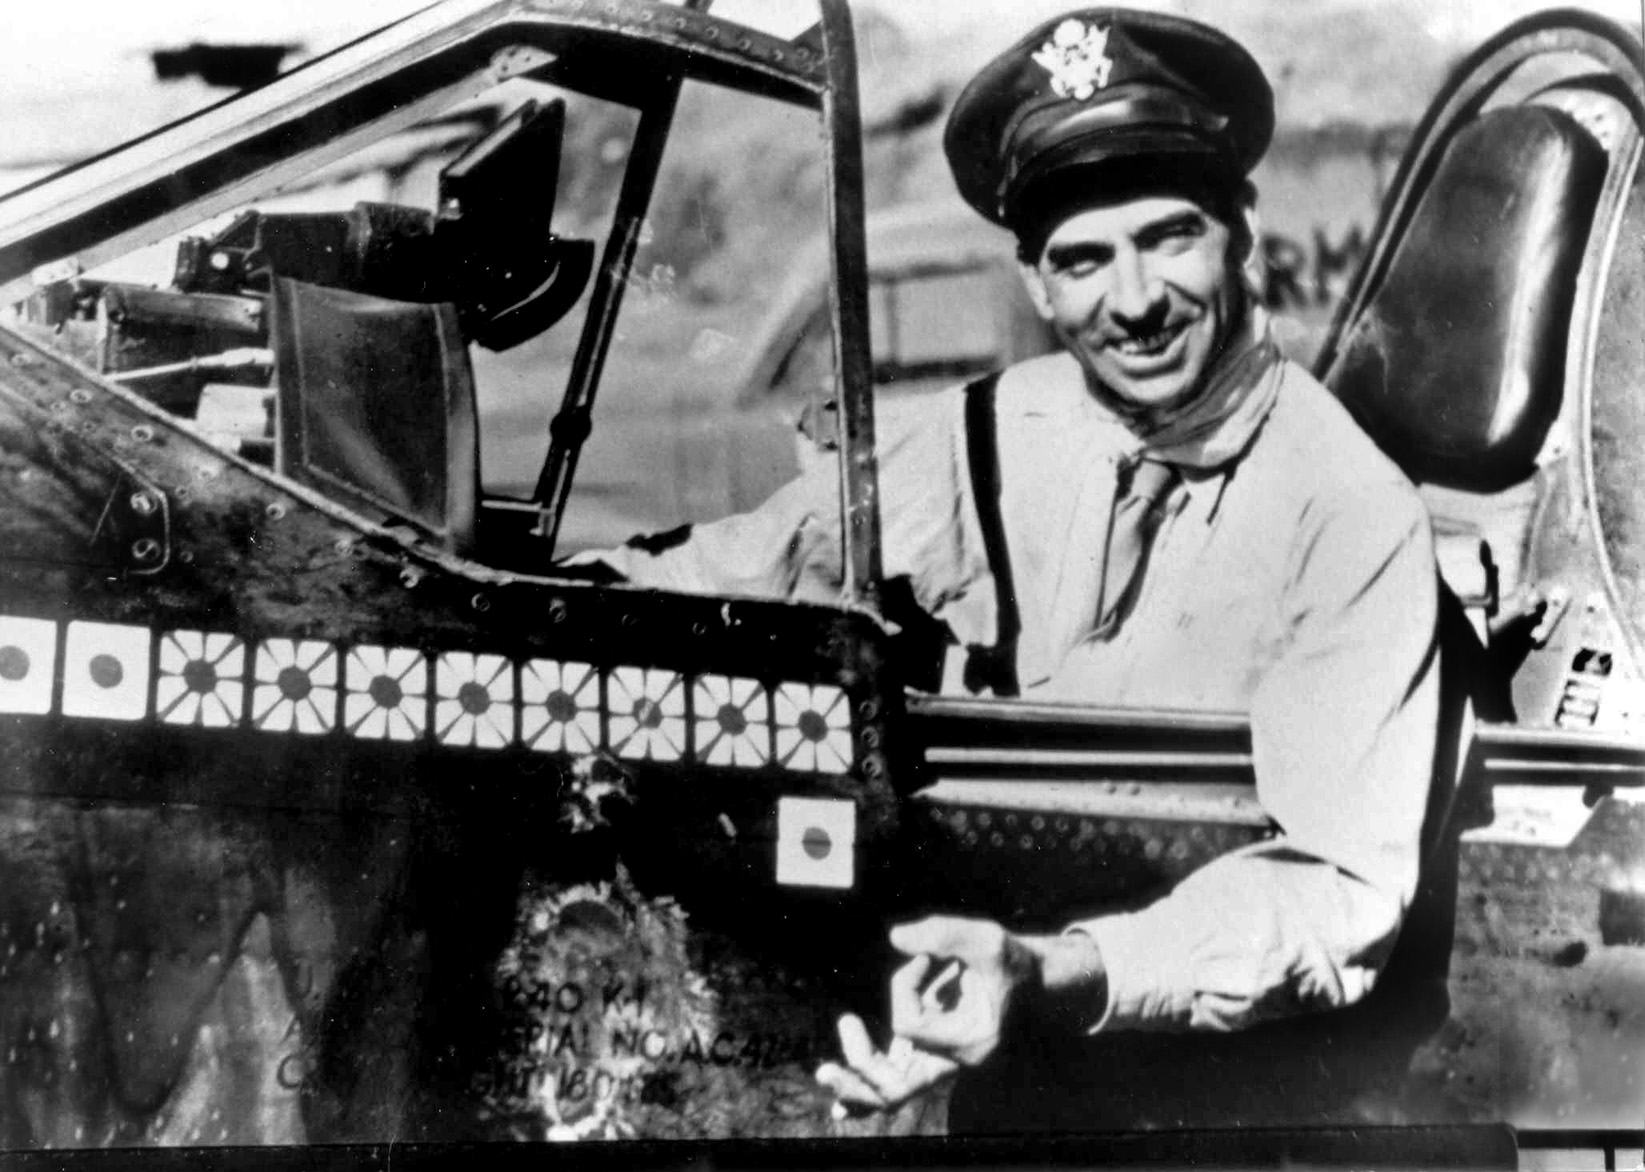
{"x": 1140, "y": 495}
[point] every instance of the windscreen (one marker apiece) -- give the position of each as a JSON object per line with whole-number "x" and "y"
{"x": 673, "y": 441}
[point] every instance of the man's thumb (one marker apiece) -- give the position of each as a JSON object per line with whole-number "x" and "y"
{"x": 944, "y": 936}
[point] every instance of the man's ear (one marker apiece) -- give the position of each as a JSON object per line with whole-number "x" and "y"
{"x": 1247, "y": 242}
{"x": 1034, "y": 282}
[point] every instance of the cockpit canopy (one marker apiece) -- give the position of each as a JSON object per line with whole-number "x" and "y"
{"x": 403, "y": 285}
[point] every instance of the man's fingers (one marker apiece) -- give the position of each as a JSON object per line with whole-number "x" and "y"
{"x": 880, "y": 1080}
{"x": 850, "y": 1088}
{"x": 915, "y": 1070}
{"x": 856, "y": 1047}
{"x": 976, "y": 941}
{"x": 866, "y": 1062}
{"x": 905, "y": 992}
{"x": 942, "y": 992}
{"x": 961, "y": 1034}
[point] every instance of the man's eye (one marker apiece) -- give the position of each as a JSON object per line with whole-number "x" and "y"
{"x": 1077, "y": 266}
{"x": 1175, "y": 238}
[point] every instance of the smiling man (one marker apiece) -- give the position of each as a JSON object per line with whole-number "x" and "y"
{"x": 1181, "y": 518}
{"x": 1168, "y": 514}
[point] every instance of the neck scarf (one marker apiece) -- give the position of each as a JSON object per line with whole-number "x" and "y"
{"x": 1218, "y": 426}
{"x": 1205, "y": 438}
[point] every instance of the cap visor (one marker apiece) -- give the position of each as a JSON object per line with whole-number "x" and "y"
{"x": 1137, "y": 145}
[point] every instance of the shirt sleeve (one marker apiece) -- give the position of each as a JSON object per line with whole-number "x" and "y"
{"x": 789, "y": 547}
{"x": 1343, "y": 730}
{"x": 786, "y": 548}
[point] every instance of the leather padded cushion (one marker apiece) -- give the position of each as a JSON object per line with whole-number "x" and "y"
{"x": 1457, "y": 366}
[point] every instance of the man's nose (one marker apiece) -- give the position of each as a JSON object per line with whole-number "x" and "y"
{"x": 1136, "y": 292}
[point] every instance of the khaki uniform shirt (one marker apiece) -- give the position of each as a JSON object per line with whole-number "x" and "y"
{"x": 1296, "y": 584}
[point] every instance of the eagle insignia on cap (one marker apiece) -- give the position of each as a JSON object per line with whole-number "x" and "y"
{"x": 1077, "y": 59}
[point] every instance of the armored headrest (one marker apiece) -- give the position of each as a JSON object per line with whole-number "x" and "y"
{"x": 1457, "y": 365}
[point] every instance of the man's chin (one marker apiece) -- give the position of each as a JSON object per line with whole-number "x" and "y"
{"x": 1145, "y": 404}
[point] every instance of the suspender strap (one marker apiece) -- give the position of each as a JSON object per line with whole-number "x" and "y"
{"x": 993, "y": 667}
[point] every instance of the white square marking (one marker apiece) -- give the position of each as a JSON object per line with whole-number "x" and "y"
{"x": 816, "y": 842}
{"x": 106, "y": 671}
{"x": 28, "y": 656}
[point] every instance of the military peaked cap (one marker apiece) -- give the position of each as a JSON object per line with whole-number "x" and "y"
{"x": 1102, "y": 85}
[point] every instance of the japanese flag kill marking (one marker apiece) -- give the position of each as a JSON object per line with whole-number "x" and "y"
{"x": 559, "y": 706}
{"x": 733, "y": 721}
{"x": 294, "y": 686}
{"x": 28, "y": 658}
{"x": 816, "y": 842}
{"x": 387, "y": 689}
{"x": 106, "y": 671}
{"x": 473, "y": 700}
{"x": 201, "y": 679}
{"x": 647, "y": 719}
{"x": 813, "y": 728}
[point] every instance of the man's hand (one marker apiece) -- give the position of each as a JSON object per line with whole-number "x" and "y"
{"x": 948, "y": 1006}
{"x": 879, "y": 1080}
{"x": 951, "y": 998}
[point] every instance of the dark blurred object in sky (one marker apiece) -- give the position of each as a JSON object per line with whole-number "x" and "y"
{"x": 230, "y": 66}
